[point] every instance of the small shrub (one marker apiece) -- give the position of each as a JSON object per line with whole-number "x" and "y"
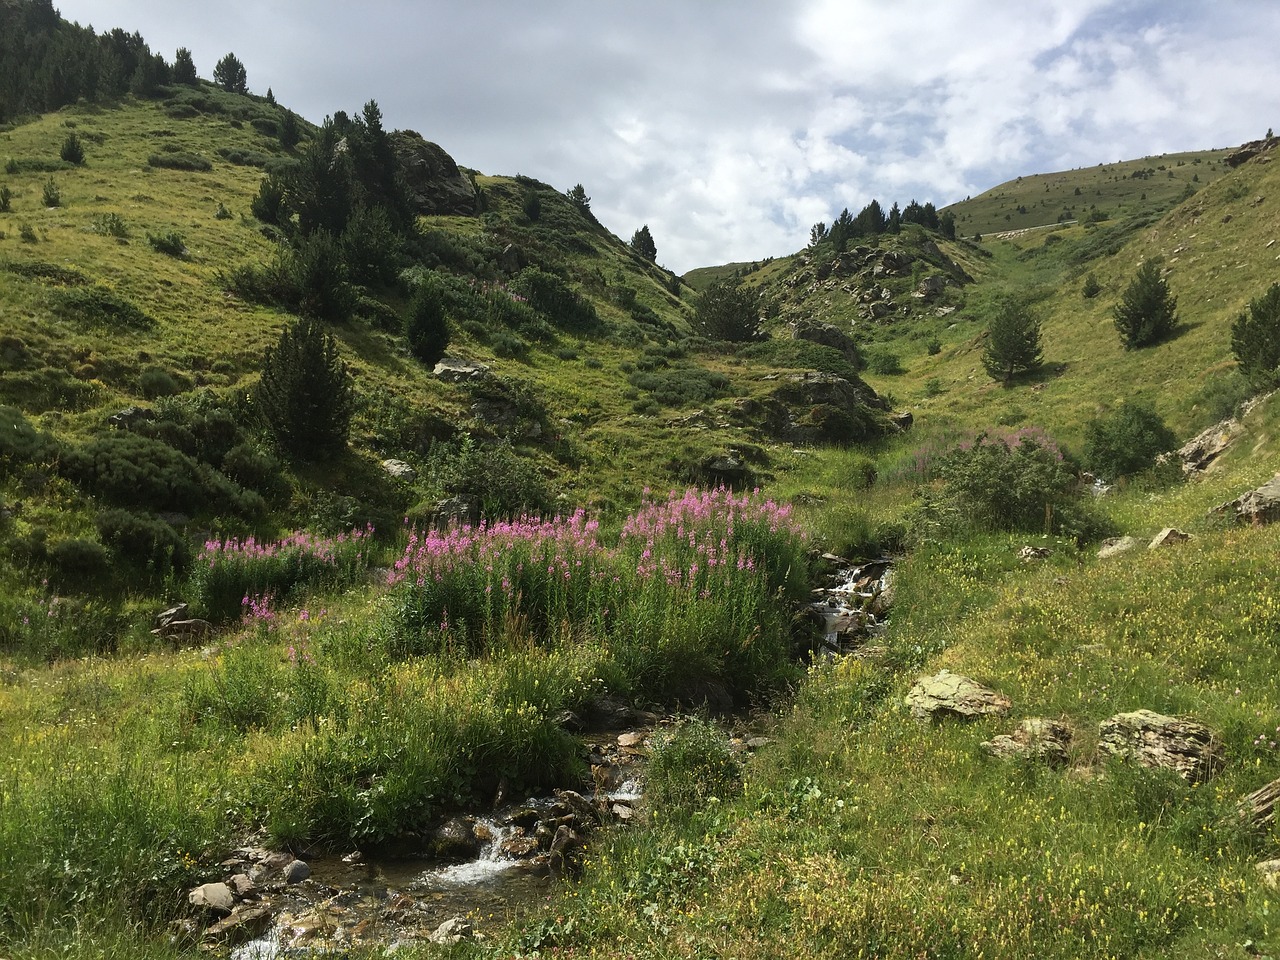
{"x": 144, "y": 541}
{"x": 1091, "y": 287}
{"x": 222, "y": 213}
{"x": 169, "y": 242}
{"x": 1126, "y": 441}
{"x": 79, "y": 558}
{"x": 156, "y": 382}
{"x": 427, "y": 328}
{"x": 254, "y": 470}
{"x": 98, "y": 306}
{"x": 72, "y": 149}
{"x": 21, "y": 443}
{"x": 497, "y": 480}
{"x": 111, "y": 225}
{"x": 27, "y": 233}
{"x": 180, "y": 161}
{"x": 884, "y": 362}
{"x": 6, "y": 199}
{"x": 690, "y": 766}
{"x": 934, "y": 346}
{"x": 51, "y": 196}
{"x": 305, "y": 395}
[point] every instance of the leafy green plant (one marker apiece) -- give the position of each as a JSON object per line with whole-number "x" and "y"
{"x": 1091, "y": 287}
{"x": 98, "y": 306}
{"x": 143, "y": 541}
{"x": 111, "y": 225}
{"x": 1126, "y": 441}
{"x": 1147, "y": 312}
{"x": 689, "y": 766}
{"x": 727, "y": 310}
{"x": 6, "y": 199}
{"x": 884, "y": 361}
{"x": 427, "y": 328}
{"x": 180, "y": 161}
{"x": 169, "y": 242}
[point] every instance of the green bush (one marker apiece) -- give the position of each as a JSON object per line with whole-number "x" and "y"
{"x": 884, "y": 362}
{"x": 1019, "y": 482}
{"x": 50, "y": 195}
{"x": 554, "y": 299}
{"x": 494, "y": 478}
{"x": 143, "y": 541}
{"x": 21, "y": 443}
{"x": 689, "y": 766}
{"x": 129, "y": 470}
{"x": 6, "y": 199}
{"x": 180, "y": 161}
{"x": 680, "y": 386}
{"x": 255, "y": 470}
{"x": 79, "y": 558}
{"x": 168, "y": 242}
{"x": 156, "y": 382}
{"x": 111, "y": 225}
{"x": 1126, "y": 441}
{"x": 98, "y": 306}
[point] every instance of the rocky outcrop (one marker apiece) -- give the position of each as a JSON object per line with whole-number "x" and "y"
{"x": 828, "y": 335}
{"x": 1035, "y": 739}
{"x": 815, "y": 407}
{"x": 1168, "y": 537}
{"x": 1113, "y": 546}
{"x": 1257, "y": 507}
{"x": 950, "y": 695}
{"x": 455, "y": 370}
{"x": 1259, "y": 808}
{"x": 1154, "y": 740}
{"x": 434, "y": 183}
{"x": 1251, "y": 150}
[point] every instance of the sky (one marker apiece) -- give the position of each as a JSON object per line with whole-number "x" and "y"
{"x": 730, "y": 127}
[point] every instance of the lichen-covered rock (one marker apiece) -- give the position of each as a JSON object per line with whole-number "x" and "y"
{"x": 213, "y": 897}
{"x": 1035, "y": 739}
{"x": 1160, "y": 742}
{"x": 1168, "y": 537}
{"x": 1256, "y": 507}
{"x": 1259, "y": 807}
{"x": 1116, "y": 545}
{"x": 432, "y": 180}
{"x": 948, "y": 694}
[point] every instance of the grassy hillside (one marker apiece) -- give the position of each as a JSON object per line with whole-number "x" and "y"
{"x": 355, "y": 687}
{"x": 1109, "y": 191}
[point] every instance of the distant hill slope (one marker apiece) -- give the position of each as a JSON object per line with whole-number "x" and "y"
{"x": 1109, "y": 190}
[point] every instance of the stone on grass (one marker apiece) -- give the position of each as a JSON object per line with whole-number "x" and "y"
{"x": 1035, "y": 739}
{"x": 1168, "y": 537}
{"x": 948, "y": 694}
{"x": 1114, "y": 545}
{"x": 1257, "y": 507}
{"x": 452, "y": 931}
{"x": 214, "y": 897}
{"x": 1159, "y": 742}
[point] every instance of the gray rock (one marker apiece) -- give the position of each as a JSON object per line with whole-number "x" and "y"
{"x": 828, "y": 335}
{"x": 452, "y": 931}
{"x": 130, "y": 416}
{"x": 247, "y": 922}
{"x": 1035, "y": 739}
{"x": 1259, "y": 807}
{"x": 454, "y": 510}
{"x": 214, "y": 897}
{"x": 509, "y": 261}
{"x": 1116, "y": 545}
{"x": 399, "y": 470}
{"x": 177, "y": 612}
{"x": 1269, "y": 871}
{"x": 455, "y": 370}
{"x": 1257, "y": 507}
{"x": 1160, "y": 742}
{"x": 432, "y": 180}
{"x": 296, "y": 871}
{"x": 1029, "y": 553}
{"x": 456, "y": 839}
{"x": 1168, "y": 537}
{"x": 948, "y": 694}
{"x": 931, "y": 287}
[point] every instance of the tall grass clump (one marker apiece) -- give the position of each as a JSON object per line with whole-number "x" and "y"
{"x": 231, "y": 574}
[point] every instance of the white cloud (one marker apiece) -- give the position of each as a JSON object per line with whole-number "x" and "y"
{"x": 730, "y": 127}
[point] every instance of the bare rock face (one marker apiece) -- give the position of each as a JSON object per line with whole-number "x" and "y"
{"x": 948, "y": 694}
{"x": 1035, "y": 739}
{"x": 828, "y": 335}
{"x": 1259, "y": 808}
{"x": 1160, "y": 742}
{"x": 433, "y": 182}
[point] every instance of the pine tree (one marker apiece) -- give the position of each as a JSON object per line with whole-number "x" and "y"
{"x": 1013, "y": 341}
{"x": 305, "y": 394}
{"x": 578, "y": 197}
{"x": 427, "y": 329}
{"x": 230, "y": 75}
{"x": 1147, "y": 312}
{"x": 184, "y": 68}
{"x": 642, "y": 243}
{"x": 72, "y": 149}
{"x": 728, "y": 311}
{"x": 1255, "y": 339}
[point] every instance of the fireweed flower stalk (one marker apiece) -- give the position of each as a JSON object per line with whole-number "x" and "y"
{"x": 689, "y": 587}
{"x": 228, "y": 571}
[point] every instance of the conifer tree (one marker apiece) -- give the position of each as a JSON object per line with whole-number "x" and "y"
{"x": 1255, "y": 339}
{"x": 184, "y": 68}
{"x": 305, "y": 395}
{"x": 642, "y": 243}
{"x": 1148, "y": 311}
{"x": 230, "y": 75}
{"x": 1013, "y": 341}
{"x": 728, "y": 311}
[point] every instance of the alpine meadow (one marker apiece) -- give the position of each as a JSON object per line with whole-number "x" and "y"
{"x": 393, "y": 560}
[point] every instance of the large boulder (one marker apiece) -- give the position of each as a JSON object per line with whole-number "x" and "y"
{"x": 1256, "y": 507}
{"x": 946, "y": 695}
{"x": 828, "y": 335}
{"x": 1154, "y": 740}
{"x": 433, "y": 182}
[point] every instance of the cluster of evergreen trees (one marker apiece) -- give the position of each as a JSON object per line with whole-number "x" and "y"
{"x": 872, "y": 221}
{"x": 47, "y": 63}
